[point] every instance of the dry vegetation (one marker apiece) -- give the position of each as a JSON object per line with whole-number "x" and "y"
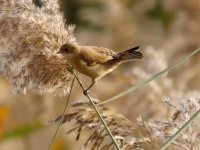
{"x": 142, "y": 134}
{"x": 31, "y": 35}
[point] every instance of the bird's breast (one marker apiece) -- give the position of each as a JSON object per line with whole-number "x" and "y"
{"x": 93, "y": 71}
{"x": 82, "y": 67}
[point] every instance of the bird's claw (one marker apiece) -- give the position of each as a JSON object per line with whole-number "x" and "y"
{"x": 70, "y": 69}
{"x": 85, "y": 92}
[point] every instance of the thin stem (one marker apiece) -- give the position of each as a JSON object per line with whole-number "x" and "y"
{"x": 184, "y": 127}
{"x": 144, "y": 82}
{"x": 60, "y": 123}
{"x": 97, "y": 112}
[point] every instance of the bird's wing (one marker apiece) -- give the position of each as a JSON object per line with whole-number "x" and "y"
{"x": 95, "y": 55}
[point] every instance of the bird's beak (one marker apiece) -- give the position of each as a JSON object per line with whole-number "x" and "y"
{"x": 60, "y": 52}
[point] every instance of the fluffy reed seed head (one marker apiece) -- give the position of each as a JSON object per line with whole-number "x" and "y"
{"x": 127, "y": 134}
{"x": 30, "y": 38}
{"x": 140, "y": 135}
{"x": 182, "y": 112}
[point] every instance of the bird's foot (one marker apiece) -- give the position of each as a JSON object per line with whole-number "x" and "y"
{"x": 85, "y": 92}
{"x": 70, "y": 69}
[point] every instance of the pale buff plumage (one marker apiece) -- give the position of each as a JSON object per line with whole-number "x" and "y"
{"x": 96, "y": 62}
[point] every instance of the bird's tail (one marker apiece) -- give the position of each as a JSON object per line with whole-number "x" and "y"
{"x": 130, "y": 54}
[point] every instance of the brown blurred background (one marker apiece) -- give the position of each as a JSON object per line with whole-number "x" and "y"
{"x": 165, "y": 30}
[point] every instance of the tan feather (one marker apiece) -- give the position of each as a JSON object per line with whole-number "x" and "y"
{"x": 93, "y": 55}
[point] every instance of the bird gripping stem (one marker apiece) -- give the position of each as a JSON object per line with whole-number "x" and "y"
{"x": 97, "y": 111}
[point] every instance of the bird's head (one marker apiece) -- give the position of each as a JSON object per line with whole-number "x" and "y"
{"x": 69, "y": 48}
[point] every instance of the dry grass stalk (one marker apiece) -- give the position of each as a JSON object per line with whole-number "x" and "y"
{"x": 141, "y": 135}
{"x": 189, "y": 140}
{"x": 30, "y": 38}
{"x": 127, "y": 134}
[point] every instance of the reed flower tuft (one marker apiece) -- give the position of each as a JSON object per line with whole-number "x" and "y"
{"x": 127, "y": 134}
{"x": 141, "y": 134}
{"x": 30, "y": 37}
{"x": 181, "y": 113}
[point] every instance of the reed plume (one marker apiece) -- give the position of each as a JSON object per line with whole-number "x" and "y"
{"x": 30, "y": 38}
{"x": 127, "y": 134}
{"x": 141, "y": 134}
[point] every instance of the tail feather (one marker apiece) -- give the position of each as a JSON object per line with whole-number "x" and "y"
{"x": 130, "y": 54}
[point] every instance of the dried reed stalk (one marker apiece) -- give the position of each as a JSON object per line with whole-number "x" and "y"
{"x": 127, "y": 134}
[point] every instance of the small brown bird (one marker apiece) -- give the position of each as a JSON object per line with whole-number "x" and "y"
{"x": 96, "y": 62}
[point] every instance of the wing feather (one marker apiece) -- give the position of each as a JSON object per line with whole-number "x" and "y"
{"x": 96, "y": 55}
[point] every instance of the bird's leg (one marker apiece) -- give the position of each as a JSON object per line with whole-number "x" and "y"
{"x": 91, "y": 85}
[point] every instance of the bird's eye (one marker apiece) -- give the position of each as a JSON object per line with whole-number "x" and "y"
{"x": 63, "y": 49}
